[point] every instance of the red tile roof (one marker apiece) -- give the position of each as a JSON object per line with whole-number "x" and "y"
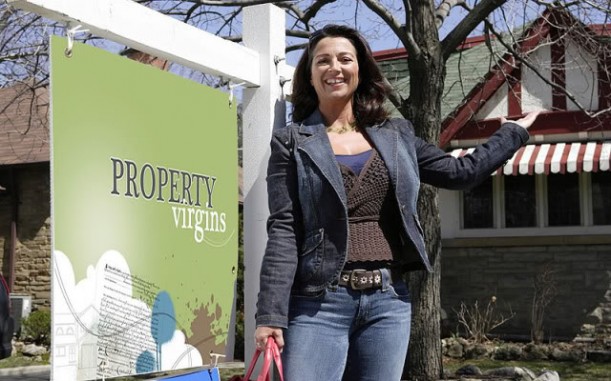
{"x": 393, "y": 54}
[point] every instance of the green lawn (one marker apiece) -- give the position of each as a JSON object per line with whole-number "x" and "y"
{"x": 20, "y": 360}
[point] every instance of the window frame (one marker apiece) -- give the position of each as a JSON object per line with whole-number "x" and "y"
{"x": 542, "y": 227}
{"x": 591, "y": 201}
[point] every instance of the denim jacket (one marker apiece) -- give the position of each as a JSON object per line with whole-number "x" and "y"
{"x": 308, "y": 223}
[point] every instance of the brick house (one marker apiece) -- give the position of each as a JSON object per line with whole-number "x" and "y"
{"x": 25, "y": 222}
{"x": 545, "y": 216}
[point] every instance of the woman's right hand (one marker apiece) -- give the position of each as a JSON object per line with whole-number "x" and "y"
{"x": 263, "y": 332}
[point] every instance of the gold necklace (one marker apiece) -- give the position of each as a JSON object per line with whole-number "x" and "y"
{"x": 347, "y": 127}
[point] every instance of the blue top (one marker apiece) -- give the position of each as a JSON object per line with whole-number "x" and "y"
{"x": 355, "y": 162}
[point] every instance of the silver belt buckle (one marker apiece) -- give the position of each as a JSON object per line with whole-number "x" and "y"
{"x": 356, "y": 279}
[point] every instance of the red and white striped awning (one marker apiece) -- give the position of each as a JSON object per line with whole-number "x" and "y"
{"x": 554, "y": 158}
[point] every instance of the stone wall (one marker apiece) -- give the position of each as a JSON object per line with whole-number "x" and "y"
{"x": 581, "y": 273}
{"x": 33, "y": 246}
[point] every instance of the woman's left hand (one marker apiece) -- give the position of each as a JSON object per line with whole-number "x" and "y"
{"x": 524, "y": 122}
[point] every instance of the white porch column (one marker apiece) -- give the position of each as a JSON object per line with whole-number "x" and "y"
{"x": 264, "y": 110}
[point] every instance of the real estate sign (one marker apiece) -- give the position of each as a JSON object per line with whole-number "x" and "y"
{"x": 145, "y": 217}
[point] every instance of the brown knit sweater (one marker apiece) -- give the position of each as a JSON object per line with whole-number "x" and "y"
{"x": 373, "y": 216}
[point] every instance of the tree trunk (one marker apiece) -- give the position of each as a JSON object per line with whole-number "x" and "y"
{"x": 427, "y": 73}
{"x": 424, "y": 355}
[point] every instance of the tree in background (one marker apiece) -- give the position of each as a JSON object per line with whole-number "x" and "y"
{"x": 429, "y": 30}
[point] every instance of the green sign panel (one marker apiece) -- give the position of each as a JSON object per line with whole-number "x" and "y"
{"x": 145, "y": 216}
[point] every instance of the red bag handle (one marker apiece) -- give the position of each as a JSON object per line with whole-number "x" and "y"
{"x": 272, "y": 353}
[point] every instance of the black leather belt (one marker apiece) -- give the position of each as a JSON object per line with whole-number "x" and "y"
{"x": 362, "y": 279}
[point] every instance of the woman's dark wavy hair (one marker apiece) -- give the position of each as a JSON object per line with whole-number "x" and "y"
{"x": 368, "y": 101}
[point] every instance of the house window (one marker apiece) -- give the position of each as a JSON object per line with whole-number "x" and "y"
{"x": 478, "y": 206}
{"x": 601, "y": 198}
{"x": 563, "y": 200}
{"x": 520, "y": 202}
{"x": 551, "y": 204}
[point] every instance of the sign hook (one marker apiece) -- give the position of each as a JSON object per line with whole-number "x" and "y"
{"x": 231, "y": 86}
{"x": 70, "y": 32}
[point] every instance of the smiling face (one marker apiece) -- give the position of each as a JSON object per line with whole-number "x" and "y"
{"x": 334, "y": 70}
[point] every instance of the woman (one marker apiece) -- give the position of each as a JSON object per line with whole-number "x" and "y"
{"x": 343, "y": 184}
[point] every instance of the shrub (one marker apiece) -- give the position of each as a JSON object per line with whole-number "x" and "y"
{"x": 38, "y": 326}
{"x": 544, "y": 291}
{"x": 478, "y": 322}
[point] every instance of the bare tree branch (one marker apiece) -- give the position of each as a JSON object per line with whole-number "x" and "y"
{"x": 242, "y": 3}
{"x": 312, "y": 11}
{"x": 405, "y": 36}
{"x": 443, "y": 10}
{"x": 6, "y": 14}
{"x": 478, "y": 14}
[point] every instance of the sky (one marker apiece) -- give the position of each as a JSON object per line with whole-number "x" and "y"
{"x": 355, "y": 14}
{"x": 379, "y": 35}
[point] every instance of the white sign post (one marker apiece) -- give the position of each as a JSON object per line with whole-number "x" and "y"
{"x": 264, "y": 110}
{"x": 259, "y": 65}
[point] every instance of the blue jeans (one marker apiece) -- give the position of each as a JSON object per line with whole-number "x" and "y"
{"x": 344, "y": 334}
